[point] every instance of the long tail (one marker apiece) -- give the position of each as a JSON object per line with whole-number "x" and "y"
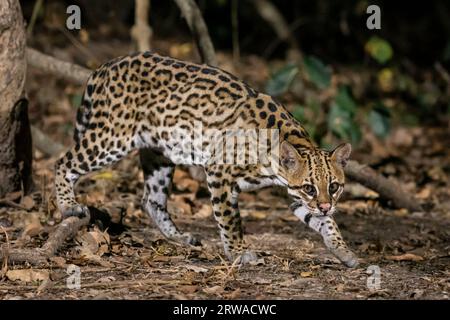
{"x": 84, "y": 113}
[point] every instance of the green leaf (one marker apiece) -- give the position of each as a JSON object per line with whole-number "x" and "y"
{"x": 281, "y": 80}
{"x": 379, "y": 120}
{"x": 338, "y": 120}
{"x": 76, "y": 100}
{"x": 379, "y": 49}
{"x": 410, "y": 120}
{"x": 315, "y": 106}
{"x": 341, "y": 117}
{"x": 345, "y": 100}
{"x": 318, "y": 73}
{"x": 354, "y": 132}
{"x": 299, "y": 113}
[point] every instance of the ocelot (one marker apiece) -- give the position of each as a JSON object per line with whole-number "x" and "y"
{"x": 139, "y": 101}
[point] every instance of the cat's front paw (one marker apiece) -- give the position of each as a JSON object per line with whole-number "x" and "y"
{"x": 78, "y": 210}
{"x": 346, "y": 256}
{"x": 243, "y": 257}
{"x": 190, "y": 239}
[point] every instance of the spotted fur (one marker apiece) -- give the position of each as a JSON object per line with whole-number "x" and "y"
{"x": 127, "y": 99}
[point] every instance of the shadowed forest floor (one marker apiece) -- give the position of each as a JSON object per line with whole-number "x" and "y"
{"x": 412, "y": 250}
{"x": 129, "y": 259}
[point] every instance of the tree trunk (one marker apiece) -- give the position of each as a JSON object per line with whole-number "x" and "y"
{"x": 15, "y": 136}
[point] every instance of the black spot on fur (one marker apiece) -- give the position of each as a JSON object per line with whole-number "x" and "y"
{"x": 181, "y": 76}
{"x": 193, "y": 68}
{"x": 215, "y": 200}
{"x": 157, "y": 59}
{"x": 272, "y": 107}
{"x": 308, "y": 218}
{"x": 209, "y": 71}
{"x": 259, "y": 103}
{"x": 271, "y": 121}
{"x": 89, "y": 89}
{"x": 223, "y": 78}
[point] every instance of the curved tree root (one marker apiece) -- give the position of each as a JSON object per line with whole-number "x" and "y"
{"x": 68, "y": 228}
{"x": 387, "y": 189}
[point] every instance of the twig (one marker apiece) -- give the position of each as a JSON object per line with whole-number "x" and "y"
{"x": 77, "y": 43}
{"x": 5, "y": 261}
{"x": 12, "y": 204}
{"x": 443, "y": 73}
{"x": 275, "y": 19}
{"x": 44, "y": 143}
{"x": 235, "y": 30}
{"x": 385, "y": 188}
{"x": 66, "y": 229}
{"x": 37, "y": 7}
{"x": 197, "y": 25}
{"x": 276, "y": 42}
{"x": 141, "y": 31}
{"x": 66, "y": 70}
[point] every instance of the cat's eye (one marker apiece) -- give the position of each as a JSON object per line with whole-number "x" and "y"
{"x": 333, "y": 187}
{"x": 309, "y": 189}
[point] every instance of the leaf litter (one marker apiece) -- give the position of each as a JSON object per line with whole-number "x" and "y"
{"x": 412, "y": 250}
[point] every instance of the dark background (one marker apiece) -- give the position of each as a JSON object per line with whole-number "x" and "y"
{"x": 334, "y": 30}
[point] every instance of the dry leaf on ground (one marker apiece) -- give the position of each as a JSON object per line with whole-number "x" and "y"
{"x": 184, "y": 182}
{"x": 214, "y": 290}
{"x": 188, "y": 289}
{"x": 33, "y": 227}
{"x": 196, "y": 269}
{"x": 405, "y": 257}
{"x": 179, "y": 204}
{"x": 28, "y": 275}
{"x": 59, "y": 261}
{"x": 204, "y": 212}
{"x": 27, "y": 203}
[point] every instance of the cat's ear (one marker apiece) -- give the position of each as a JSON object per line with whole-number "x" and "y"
{"x": 341, "y": 154}
{"x": 288, "y": 156}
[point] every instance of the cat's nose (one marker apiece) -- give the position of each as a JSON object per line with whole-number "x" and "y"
{"x": 325, "y": 207}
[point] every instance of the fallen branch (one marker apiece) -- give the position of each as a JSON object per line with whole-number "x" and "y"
{"x": 11, "y": 203}
{"x": 387, "y": 189}
{"x": 197, "y": 25}
{"x": 45, "y": 144}
{"x": 62, "y": 69}
{"x": 66, "y": 229}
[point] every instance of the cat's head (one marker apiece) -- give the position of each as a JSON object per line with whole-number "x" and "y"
{"x": 314, "y": 177}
